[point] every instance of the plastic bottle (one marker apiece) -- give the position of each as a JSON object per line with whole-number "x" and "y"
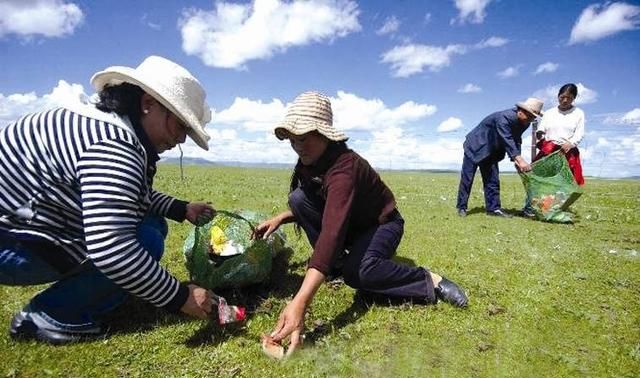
{"x": 228, "y": 313}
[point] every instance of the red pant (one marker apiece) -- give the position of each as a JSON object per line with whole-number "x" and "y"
{"x": 546, "y": 147}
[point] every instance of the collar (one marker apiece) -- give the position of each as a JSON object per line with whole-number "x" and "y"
{"x": 326, "y": 161}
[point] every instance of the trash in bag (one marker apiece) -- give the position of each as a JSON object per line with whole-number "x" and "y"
{"x": 221, "y": 253}
{"x": 551, "y": 188}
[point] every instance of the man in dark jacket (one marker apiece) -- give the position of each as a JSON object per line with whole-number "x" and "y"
{"x": 485, "y": 147}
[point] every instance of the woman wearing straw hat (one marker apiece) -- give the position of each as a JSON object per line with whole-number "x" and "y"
{"x": 485, "y": 147}
{"x": 341, "y": 203}
{"x": 77, "y": 205}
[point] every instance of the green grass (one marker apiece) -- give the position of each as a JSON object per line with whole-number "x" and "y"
{"x": 545, "y": 299}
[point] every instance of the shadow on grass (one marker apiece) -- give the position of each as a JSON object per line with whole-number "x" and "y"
{"x": 256, "y": 299}
{"x": 481, "y": 210}
{"x": 137, "y": 316}
{"x": 362, "y": 302}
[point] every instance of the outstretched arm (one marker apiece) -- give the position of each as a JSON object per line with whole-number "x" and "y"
{"x": 268, "y": 227}
{"x": 291, "y": 321}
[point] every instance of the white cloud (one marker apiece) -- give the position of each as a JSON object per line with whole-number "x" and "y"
{"x": 16, "y": 105}
{"x": 227, "y": 145}
{"x": 546, "y": 67}
{"x": 232, "y": 34}
{"x": 450, "y": 124}
{"x": 631, "y": 117}
{"x": 50, "y": 18}
{"x": 351, "y": 112}
{"x": 410, "y": 59}
{"x": 509, "y": 72}
{"x": 144, "y": 20}
{"x": 392, "y": 148}
{"x": 251, "y": 115}
{"x": 491, "y": 42}
{"x": 470, "y": 88}
{"x": 377, "y": 130}
{"x": 598, "y": 21}
{"x": 391, "y": 25}
{"x": 550, "y": 95}
{"x": 471, "y": 10}
{"x": 611, "y": 154}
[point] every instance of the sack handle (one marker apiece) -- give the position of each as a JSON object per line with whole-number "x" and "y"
{"x": 236, "y": 216}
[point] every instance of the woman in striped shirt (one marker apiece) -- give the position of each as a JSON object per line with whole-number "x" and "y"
{"x": 77, "y": 206}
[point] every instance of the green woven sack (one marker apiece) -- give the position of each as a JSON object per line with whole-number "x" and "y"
{"x": 221, "y": 254}
{"x": 551, "y": 188}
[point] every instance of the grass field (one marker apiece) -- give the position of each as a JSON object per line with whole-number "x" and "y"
{"x": 546, "y": 300}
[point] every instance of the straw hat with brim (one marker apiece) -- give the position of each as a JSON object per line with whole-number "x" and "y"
{"x": 532, "y": 105}
{"x": 310, "y": 111}
{"x": 170, "y": 84}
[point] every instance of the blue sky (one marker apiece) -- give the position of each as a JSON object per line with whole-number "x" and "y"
{"x": 408, "y": 79}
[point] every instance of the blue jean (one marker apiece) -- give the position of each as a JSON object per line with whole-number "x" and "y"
{"x": 368, "y": 265}
{"x": 490, "y": 181}
{"x": 79, "y": 296}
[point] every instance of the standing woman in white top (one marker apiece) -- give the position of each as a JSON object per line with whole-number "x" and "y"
{"x": 562, "y": 128}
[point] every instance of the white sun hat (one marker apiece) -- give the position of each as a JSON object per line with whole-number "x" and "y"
{"x": 310, "y": 111}
{"x": 532, "y": 105}
{"x": 169, "y": 83}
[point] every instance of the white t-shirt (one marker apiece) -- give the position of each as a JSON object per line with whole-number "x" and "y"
{"x": 563, "y": 126}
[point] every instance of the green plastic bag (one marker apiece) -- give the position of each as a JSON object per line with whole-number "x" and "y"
{"x": 551, "y": 188}
{"x": 221, "y": 254}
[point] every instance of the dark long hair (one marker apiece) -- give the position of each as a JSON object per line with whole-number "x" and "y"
{"x": 571, "y": 88}
{"x": 123, "y": 99}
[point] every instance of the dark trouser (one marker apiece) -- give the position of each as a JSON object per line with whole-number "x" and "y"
{"x": 76, "y": 298}
{"x": 490, "y": 181}
{"x": 367, "y": 265}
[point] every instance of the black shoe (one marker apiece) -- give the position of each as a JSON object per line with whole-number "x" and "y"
{"x": 451, "y": 293}
{"x": 499, "y": 213}
{"x": 526, "y": 213}
{"x": 462, "y": 213}
{"x": 28, "y": 325}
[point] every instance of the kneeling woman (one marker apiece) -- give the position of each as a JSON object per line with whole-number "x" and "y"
{"x": 342, "y": 204}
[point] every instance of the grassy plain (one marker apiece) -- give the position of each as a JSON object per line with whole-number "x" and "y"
{"x": 545, "y": 299}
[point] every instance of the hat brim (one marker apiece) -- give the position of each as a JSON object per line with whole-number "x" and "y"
{"x": 529, "y": 110}
{"x": 298, "y": 127}
{"x": 119, "y": 74}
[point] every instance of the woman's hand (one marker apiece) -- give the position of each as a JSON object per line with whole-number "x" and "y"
{"x": 566, "y": 147}
{"x": 198, "y": 302}
{"x": 291, "y": 323}
{"x": 268, "y": 227}
{"x": 199, "y": 213}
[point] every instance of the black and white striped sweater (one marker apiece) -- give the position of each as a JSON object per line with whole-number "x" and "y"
{"x": 79, "y": 179}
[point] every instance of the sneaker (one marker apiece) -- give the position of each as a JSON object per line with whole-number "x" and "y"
{"x": 29, "y": 324}
{"x": 499, "y": 213}
{"x": 462, "y": 213}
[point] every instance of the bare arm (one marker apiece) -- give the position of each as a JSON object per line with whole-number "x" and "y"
{"x": 291, "y": 321}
